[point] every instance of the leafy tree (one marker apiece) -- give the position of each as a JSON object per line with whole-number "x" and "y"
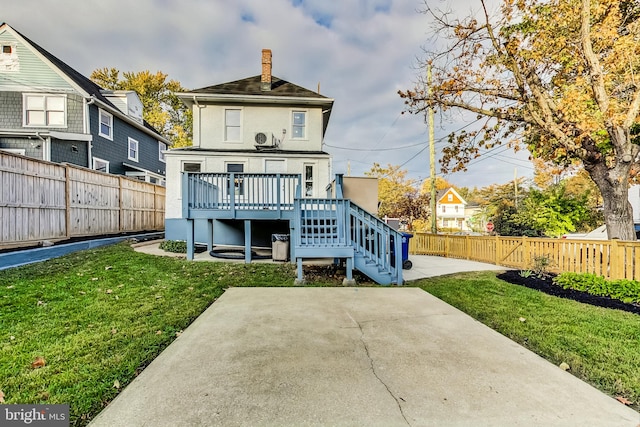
{"x": 553, "y": 212}
{"x": 559, "y": 75}
{"x": 162, "y": 108}
{"x": 398, "y": 195}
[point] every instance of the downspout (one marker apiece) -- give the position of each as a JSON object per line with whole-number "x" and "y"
{"x": 87, "y": 129}
{"x": 200, "y": 107}
{"x": 46, "y": 148}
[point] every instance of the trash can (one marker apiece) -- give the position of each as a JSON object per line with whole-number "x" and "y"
{"x": 406, "y": 263}
{"x": 280, "y": 247}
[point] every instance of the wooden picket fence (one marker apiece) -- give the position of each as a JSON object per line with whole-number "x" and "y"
{"x": 41, "y": 200}
{"x": 613, "y": 259}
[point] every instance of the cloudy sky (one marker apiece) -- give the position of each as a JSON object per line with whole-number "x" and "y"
{"x": 359, "y": 52}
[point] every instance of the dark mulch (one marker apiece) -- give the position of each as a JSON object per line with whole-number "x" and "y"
{"x": 546, "y": 285}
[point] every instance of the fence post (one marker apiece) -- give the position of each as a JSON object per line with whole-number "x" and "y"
{"x": 496, "y": 251}
{"x": 67, "y": 198}
{"x": 467, "y": 242}
{"x": 120, "y": 193}
{"x": 526, "y": 256}
{"x": 614, "y": 260}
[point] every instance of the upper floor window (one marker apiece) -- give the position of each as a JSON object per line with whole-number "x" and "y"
{"x": 45, "y": 110}
{"x": 162, "y": 147}
{"x": 232, "y": 125}
{"x": 299, "y": 125}
{"x": 450, "y": 197}
{"x": 9, "y": 60}
{"x": 133, "y": 150}
{"x": 106, "y": 125}
{"x": 444, "y": 209}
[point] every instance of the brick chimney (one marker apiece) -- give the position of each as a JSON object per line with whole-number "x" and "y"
{"x": 265, "y": 80}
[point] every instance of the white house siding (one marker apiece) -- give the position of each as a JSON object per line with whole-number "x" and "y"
{"x": 209, "y": 126}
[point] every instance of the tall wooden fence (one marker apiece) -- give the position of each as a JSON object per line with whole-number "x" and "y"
{"x": 613, "y": 259}
{"x": 48, "y": 201}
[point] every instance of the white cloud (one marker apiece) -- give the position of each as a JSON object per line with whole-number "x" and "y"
{"x": 361, "y": 52}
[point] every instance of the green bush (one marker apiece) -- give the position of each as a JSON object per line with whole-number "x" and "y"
{"x": 625, "y": 290}
{"x": 177, "y": 246}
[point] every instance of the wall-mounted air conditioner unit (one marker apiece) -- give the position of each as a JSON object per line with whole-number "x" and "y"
{"x": 266, "y": 140}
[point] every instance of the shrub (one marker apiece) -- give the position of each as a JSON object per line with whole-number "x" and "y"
{"x": 177, "y": 246}
{"x": 625, "y": 290}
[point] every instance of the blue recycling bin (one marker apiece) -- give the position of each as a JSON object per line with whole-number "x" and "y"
{"x": 406, "y": 263}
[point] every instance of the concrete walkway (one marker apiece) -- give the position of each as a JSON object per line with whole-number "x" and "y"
{"x": 352, "y": 357}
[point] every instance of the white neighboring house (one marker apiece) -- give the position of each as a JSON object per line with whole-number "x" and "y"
{"x": 260, "y": 124}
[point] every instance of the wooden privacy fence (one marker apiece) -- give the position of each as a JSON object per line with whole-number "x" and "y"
{"x": 613, "y": 259}
{"x": 41, "y": 200}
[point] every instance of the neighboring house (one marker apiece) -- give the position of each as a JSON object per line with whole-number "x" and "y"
{"x": 257, "y": 168}
{"x": 452, "y": 212}
{"x": 49, "y": 111}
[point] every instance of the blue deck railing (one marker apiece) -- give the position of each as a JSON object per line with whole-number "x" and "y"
{"x": 238, "y": 191}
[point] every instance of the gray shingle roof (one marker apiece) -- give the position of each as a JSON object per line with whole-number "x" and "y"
{"x": 252, "y": 86}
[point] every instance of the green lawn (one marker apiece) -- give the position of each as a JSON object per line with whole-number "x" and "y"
{"x": 602, "y": 346}
{"x": 98, "y": 317}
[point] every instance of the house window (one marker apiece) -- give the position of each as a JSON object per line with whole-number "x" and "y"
{"x": 162, "y": 147}
{"x": 232, "y": 128}
{"x": 450, "y": 197}
{"x": 106, "y": 125}
{"x": 45, "y": 110}
{"x": 7, "y": 50}
{"x": 456, "y": 209}
{"x": 191, "y": 167}
{"x": 238, "y": 182}
{"x": 133, "y": 150}
{"x": 100, "y": 165}
{"x": 308, "y": 180}
{"x": 299, "y": 125}
{"x": 444, "y": 209}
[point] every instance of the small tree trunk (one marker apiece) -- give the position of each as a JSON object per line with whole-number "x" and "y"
{"x": 614, "y": 187}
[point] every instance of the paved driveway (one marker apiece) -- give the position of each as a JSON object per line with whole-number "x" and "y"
{"x": 352, "y": 357}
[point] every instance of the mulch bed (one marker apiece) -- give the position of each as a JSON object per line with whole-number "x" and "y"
{"x": 547, "y": 286}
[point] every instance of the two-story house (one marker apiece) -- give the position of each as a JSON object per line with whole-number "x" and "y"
{"x": 50, "y": 111}
{"x": 451, "y": 211}
{"x": 260, "y": 124}
{"x": 257, "y": 168}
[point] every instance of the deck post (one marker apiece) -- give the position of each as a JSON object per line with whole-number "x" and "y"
{"x": 349, "y": 281}
{"x": 190, "y": 239}
{"x": 247, "y": 241}
{"x": 209, "y": 234}
{"x": 300, "y": 279}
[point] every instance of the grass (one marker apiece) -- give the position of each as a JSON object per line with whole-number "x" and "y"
{"x": 602, "y": 346}
{"x": 98, "y": 317}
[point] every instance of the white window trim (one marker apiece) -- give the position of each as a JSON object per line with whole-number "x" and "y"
{"x": 160, "y": 151}
{"x": 44, "y": 95}
{"x": 183, "y": 162}
{"x": 129, "y": 141}
{"x": 306, "y": 124}
{"x": 20, "y": 151}
{"x": 313, "y": 178}
{"x": 93, "y": 163}
{"x": 106, "y": 113}
{"x": 224, "y": 126}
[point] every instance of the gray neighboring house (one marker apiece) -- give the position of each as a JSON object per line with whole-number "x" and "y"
{"x": 51, "y": 112}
